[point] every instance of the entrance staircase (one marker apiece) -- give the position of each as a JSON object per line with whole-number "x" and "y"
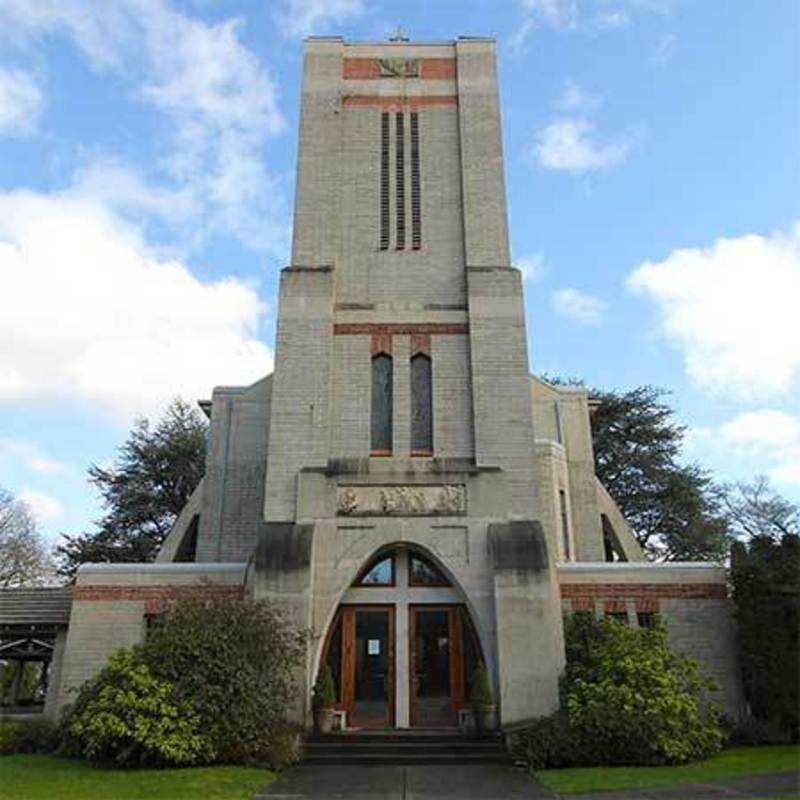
{"x": 398, "y": 747}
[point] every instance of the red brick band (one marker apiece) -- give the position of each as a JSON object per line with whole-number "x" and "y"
{"x": 382, "y": 343}
{"x": 645, "y": 591}
{"x": 151, "y": 593}
{"x": 399, "y": 328}
{"x": 398, "y": 102}
{"x": 369, "y": 68}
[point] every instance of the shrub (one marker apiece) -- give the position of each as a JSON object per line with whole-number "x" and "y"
{"x": 481, "y": 688}
{"x": 129, "y": 717}
{"x": 234, "y": 664}
{"x": 766, "y": 593}
{"x": 633, "y": 698}
{"x": 324, "y": 688}
{"x": 279, "y": 747}
{"x": 626, "y": 699}
{"x": 548, "y": 742}
{"x": 27, "y": 736}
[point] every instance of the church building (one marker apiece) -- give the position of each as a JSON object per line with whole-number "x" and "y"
{"x": 401, "y": 483}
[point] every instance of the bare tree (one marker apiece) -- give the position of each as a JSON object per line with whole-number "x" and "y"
{"x": 756, "y": 509}
{"x": 24, "y": 556}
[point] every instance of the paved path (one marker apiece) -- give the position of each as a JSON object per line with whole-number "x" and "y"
{"x": 446, "y": 782}
{"x": 490, "y": 782}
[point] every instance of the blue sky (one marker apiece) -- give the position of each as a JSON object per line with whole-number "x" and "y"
{"x": 147, "y": 155}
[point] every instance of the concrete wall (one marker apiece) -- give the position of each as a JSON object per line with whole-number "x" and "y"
{"x": 692, "y": 598}
{"x": 233, "y": 486}
{"x": 109, "y": 606}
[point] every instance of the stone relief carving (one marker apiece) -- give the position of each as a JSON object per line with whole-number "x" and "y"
{"x": 450, "y": 499}
{"x": 398, "y": 67}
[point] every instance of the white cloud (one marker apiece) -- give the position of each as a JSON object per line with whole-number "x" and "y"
{"x": 532, "y": 267}
{"x": 32, "y": 457}
{"x": 568, "y": 144}
{"x": 20, "y": 103}
{"x": 581, "y": 15}
{"x": 731, "y": 310}
{"x": 89, "y": 313}
{"x": 578, "y": 306}
{"x": 575, "y": 98}
{"x": 222, "y": 102}
{"x": 766, "y": 428}
{"x": 44, "y": 507}
{"x": 302, "y": 17}
{"x": 761, "y": 441}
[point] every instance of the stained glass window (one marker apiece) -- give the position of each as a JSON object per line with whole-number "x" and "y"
{"x": 381, "y": 404}
{"x": 381, "y": 573}
{"x": 423, "y": 573}
{"x": 421, "y": 405}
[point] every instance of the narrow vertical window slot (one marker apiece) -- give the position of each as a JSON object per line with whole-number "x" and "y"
{"x": 416, "y": 211}
{"x": 421, "y": 406}
{"x": 562, "y": 499}
{"x": 382, "y": 399}
{"x": 400, "y": 179}
{"x": 384, "y": 200}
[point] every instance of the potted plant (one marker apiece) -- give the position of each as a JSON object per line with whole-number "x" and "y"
{"x": 324, "y": 700}
{"x": 483, "y": 704}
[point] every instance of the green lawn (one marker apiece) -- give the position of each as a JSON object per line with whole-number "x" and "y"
{"x": 48, "y": 777}
{"x": 728, "y": 764}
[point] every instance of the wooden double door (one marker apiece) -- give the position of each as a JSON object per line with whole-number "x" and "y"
{"x": 439, "y": 652}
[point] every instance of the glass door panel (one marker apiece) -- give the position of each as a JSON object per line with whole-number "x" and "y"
{"x": 432, "y": 664}
{"x": 373, "y": 682}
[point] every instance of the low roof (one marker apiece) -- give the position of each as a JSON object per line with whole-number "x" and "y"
{"x": 40, "y": 606}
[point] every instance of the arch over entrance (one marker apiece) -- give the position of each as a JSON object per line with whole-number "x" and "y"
{"x": 402, "y": 646}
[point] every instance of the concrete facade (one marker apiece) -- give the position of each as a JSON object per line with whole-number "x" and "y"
{"x": 505, "y": 503}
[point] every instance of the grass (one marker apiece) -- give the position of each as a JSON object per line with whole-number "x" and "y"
{"x": 733, "y": 763}
{"x": 30, "y": 777}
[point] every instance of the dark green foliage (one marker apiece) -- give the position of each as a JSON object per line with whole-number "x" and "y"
{"x": 211, "y": 683}
{"x": 481, "y": 687}
{"x": 29, "y": 736}
{"x": 234, "y": 664}
{"x": 626, "y": 699}
{"x": 156, "y": 471}
{"x": 550, "y": 742}
{"x": 129, "y": 717}
{"x": 674, "y": 509}
{"x": 766, "y": 592}
{"x": 324, "y": 688}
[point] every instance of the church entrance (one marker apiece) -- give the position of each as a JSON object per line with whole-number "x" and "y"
{"x": 402, "y": 648}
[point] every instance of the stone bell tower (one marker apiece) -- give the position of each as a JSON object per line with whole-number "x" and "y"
{"x": 401, "y": 373}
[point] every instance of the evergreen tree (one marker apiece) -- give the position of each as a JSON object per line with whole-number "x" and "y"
{"x": 143, "y": 492}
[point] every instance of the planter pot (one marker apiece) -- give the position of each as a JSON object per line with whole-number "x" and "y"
{"x": 486, "y": 718}
{"x": 323, "y": 719}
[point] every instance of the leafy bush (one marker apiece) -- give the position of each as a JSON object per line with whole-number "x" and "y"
{"x": 626, "y": 699}
{"x": 324, "y": 688}
{"x": 766, "y": 594}
{"x": 234, "y": 664}
{"x": 128, "y": 716}
{"x": 548, "y": 742}
{"x": 27, "y": 736}
{"x": 481, "y": 687}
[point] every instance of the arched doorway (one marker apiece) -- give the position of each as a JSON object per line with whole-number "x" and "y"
{"x": 402, "y": 646}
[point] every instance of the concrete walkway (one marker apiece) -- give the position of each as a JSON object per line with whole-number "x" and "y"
{"x": 490, "y": 782}
{"x": 446, "y": 782}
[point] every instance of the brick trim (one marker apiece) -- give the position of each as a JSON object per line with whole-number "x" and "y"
{"x": 610, "y": 606}
{"x": 421, "y": 343}
{"x": 645, "y": 591}
{"x": 381, "y": 343}
{"x": 399, "y": 328}
{"x": 148, "y": 594}
{"x": 368, "y": 68}
{"x": 398, "y": 102}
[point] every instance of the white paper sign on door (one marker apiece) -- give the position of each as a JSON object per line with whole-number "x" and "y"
{"x": 373, "y": 647}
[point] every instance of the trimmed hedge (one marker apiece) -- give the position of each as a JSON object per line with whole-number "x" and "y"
{"x": 27, "y": 736}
